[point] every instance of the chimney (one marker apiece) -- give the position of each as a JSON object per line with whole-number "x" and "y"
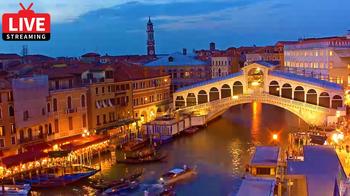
{"x": 184, "y": 51}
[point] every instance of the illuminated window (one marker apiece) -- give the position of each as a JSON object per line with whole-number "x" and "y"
{"x": 349, "y": 66}
{"x": 330, "y": 53}
{"x": 316, "y": 53}
{"x": 2, "y": 131}
{"x": 187, "y": 74}
{"x": 330, "y": 65}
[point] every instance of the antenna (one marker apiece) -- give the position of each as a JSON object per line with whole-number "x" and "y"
{"x": 23, "y": 8}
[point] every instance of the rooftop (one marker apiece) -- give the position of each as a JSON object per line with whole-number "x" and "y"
{"x": 309, "y": 80}
{"x": 265, "y": 155}
{"x": 321, "y": 167}
{"x": 177, "y": 59}
{"x": 210, "y": 81}
{"x": 256, "y": 186}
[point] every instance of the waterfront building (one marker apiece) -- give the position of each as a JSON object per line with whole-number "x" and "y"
{"x": 325, "y": 58}
{"x": 183, "y": 69}
{"x": 8, "y": 139}
{"x": 257, "y": 186}
{"x": 221, "y": 65}
{"x": 322, "y": 171}
{"x": 264, "y": 162}
{"x": 66, "y": 105}
{"x": 7, "y": 60}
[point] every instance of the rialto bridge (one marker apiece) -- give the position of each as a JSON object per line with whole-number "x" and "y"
{"x": 311, "y": 99}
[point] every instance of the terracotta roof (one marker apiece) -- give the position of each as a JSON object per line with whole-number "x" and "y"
{"x": 9, "y": 56}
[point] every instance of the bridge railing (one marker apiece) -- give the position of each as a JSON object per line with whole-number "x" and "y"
{"x": 260, "y": 97}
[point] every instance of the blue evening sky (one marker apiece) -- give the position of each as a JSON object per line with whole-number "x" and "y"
{"x": 118, "y": 27}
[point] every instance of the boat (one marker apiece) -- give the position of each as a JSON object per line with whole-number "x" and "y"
{"x": 60, "y": 181}
{"x": 149, "y": 159}
{"x": 145, "y": 152}
{"x": 122, "y": 189}
{"x": 135, "y": 145}
{"x": 160, "y": 190}
{"x": 23, "y": 189}
{"x": 102, "y": 184}
{"x": 191, "y": 130}
{"x": 176, "y": 175}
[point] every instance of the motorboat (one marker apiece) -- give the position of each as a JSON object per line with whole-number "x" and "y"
{"x": 176, "y": 175}
{"x": 123, "y": 188}
{"x": 23, "y": 189}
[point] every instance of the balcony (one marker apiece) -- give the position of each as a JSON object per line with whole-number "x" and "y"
{"x": 32, "y": 139}
{"x": 71, "y": 110}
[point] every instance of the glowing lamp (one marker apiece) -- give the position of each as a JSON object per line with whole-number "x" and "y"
{"x": 275, "y": 137}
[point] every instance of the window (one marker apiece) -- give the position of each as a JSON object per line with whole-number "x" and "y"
{"x": 9, "y": 96}
{"x": 48, "y": 107}
{"x": 330, "y": 53}
{"x": 56, "y": 126}
{"x": 84, "y": 120}
{"x": 263, "y": 171}
{"x": 83, "y": 101}
{"x": 69, "y": 103}
{"x": 13, "y": 140}
{"x": 13, "y": 128}
{"x": 96, "y": 90}
{"x": 98, "y": 120}
{"x": 11, "y": 111}
{"x": 103, "y": 90}
{"x": 43, "y": 111}
{"x": 57, "y": 84}
{"x": 55, "y": 105}
{"x": 70, "y": 84}
{"x": 2, "y": 131}
{"x": 2, "y": 143}
{"x": 70, "y": 119}
{"x": 104, "y": 119}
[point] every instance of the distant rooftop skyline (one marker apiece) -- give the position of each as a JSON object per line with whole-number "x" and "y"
{"x": 118, "y": 27}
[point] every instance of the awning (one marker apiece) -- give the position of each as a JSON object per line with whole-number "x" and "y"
{"x": 318, "y": 139}
{"x": 23, "y": 158}
{"x": 117, "y": 124}
{"x": 38, "y": 147}
{"x": 83, "y": 142}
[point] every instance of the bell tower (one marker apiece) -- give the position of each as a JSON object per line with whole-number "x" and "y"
{"x": 150, "y": 38}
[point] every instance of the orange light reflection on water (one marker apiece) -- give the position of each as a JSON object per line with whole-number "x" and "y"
{"x": 256, "y": 122}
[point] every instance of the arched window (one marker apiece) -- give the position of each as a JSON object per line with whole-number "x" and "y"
{"x": 311, "y": 97}
{"x": 299, "y": 94}
{"x": 179, "y": 102}
{"x": 225, "y": 91}
{"x": 191, "y": 99}
{"x": 213, "y": 94}
{"x": 83, "y": 101}
{"x": 237, "y": 88}
{"x": 274, "y": 88}
{"x": 337, "y": 101}
{"x": 202, "y": 97}
{"x": 287, "y": 91}
{"x": 324, "y": 100}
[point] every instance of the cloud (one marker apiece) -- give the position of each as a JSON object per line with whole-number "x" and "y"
{"x": 69, "y": 10}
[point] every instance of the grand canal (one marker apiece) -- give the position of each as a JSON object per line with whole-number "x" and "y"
{"x": 219, "y": 152}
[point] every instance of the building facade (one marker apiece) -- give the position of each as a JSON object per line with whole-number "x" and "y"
{"x": 183, "y": 69}
{"x": 220, "y": 66}
{"x": 322, "y": 58}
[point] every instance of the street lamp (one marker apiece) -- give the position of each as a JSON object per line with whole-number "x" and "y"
{"x": 275, "y": 137}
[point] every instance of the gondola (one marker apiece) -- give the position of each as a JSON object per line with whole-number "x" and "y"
{"x": 149, "y": 159}
{"x": 23, "y": 189}
{"x": 122, "y": 189}
{"x": 60, "y": 181}
{"x": 101, "y": 184}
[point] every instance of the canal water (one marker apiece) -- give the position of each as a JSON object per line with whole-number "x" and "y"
{"x": 219, "y": 152}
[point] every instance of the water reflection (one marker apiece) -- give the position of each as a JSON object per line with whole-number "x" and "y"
{"x": 256, "y": 122}
{"x": 220, "y": 152}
